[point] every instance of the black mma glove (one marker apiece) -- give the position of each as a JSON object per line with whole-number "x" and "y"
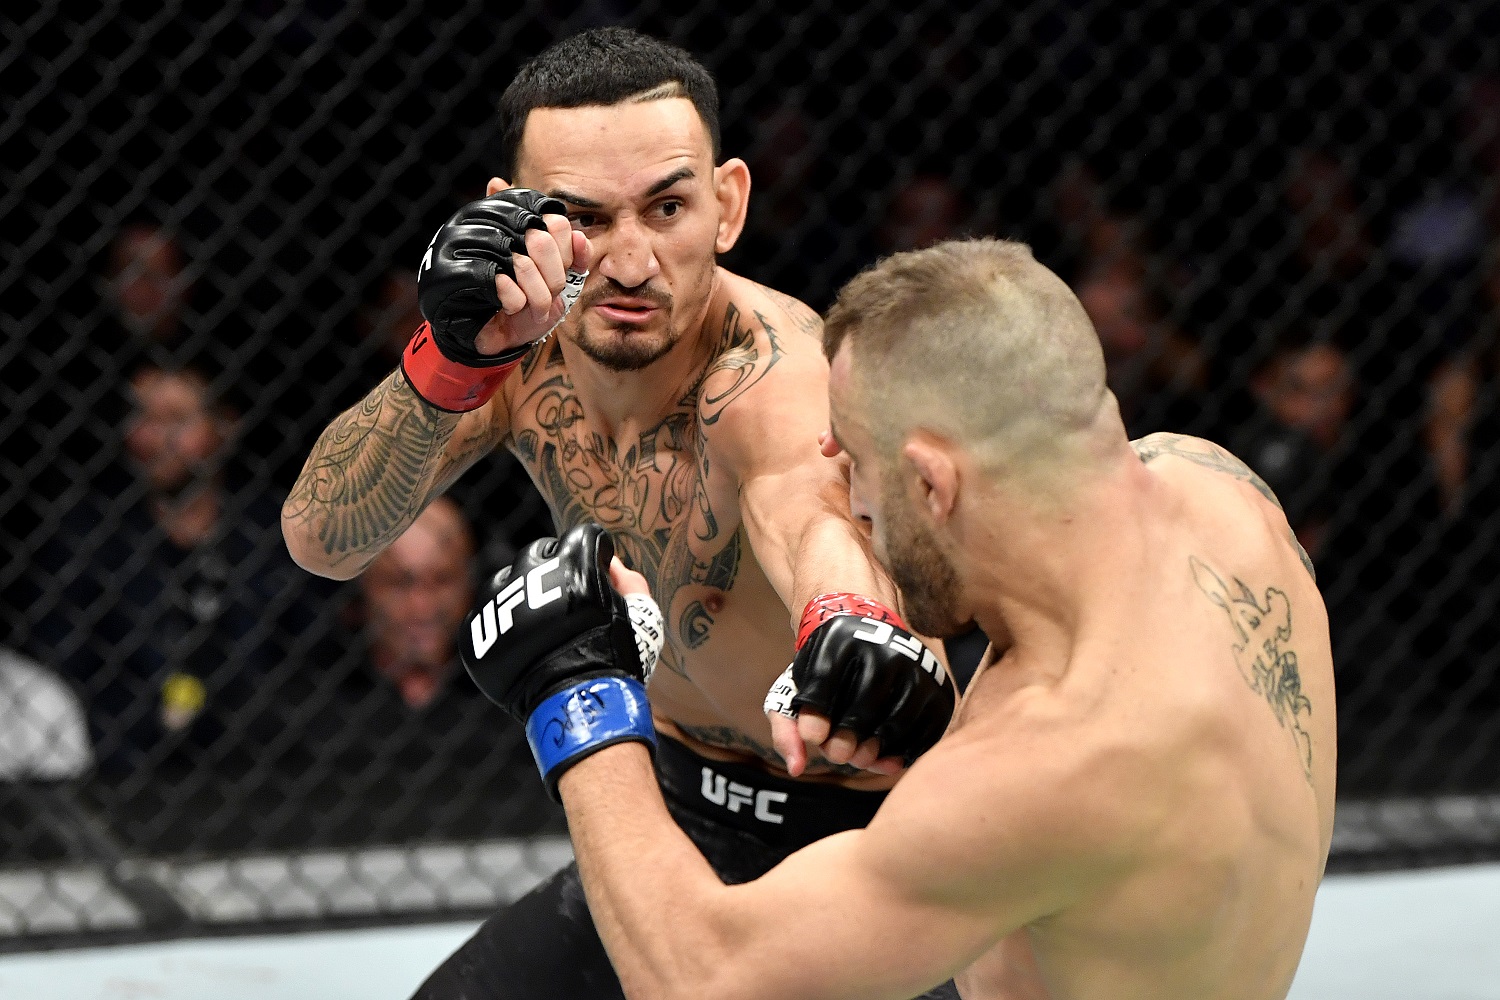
{"x": 456, "y": 291}
{"x": 859, "y": 665}
{"x": 556, "y": 646}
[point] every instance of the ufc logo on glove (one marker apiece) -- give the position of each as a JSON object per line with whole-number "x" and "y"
{"x": 496, "y": 618}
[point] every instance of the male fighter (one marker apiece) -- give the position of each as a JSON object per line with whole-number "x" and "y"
{"x": 678, "y": 406}
{"x": 1136, "y": 797}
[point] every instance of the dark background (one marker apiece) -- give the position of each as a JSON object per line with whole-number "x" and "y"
{"x": 1286, "y": 212}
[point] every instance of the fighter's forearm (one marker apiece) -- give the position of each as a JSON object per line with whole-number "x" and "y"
{"x": 813, "y": 547}
{"x": 652, "y": 895}
{"x": 831, "y": 556}
{"x": 369, "y": 475}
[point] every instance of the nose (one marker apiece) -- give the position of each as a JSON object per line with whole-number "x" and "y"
{"x": 629, "y": 257}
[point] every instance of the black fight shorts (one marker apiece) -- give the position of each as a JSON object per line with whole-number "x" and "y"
{"x": 745, "y": 822}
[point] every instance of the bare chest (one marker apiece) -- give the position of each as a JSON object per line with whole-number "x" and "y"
{"x": 672, "y": 511}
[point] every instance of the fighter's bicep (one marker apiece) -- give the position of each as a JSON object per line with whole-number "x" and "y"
{"x": 834, "y": 920}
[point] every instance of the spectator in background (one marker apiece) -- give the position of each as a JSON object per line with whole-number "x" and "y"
{"x": 1094, "y": 236}
{"x": 792, "y": 242}
{"x": 1156, "y": 373}
{"x": 387, "y": 322}
{"x": 1463, "y": 440}
{"x": 1463, "y": 423}
{"x": 1332, "y": 239}
{"x": 1442, "y": 234}
{"x": 147, "y": 284}
{"x": 1332, "y": 279}
{"x": 415, "y": 595}
{"x": 1305, "y": 394}
{"x": 391, "y": 720}
{"x": 924, "y": 210}
{"x": 168, "y": 596}
{"x": 1359, "y": 497}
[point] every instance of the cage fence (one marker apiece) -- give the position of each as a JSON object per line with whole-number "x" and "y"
{"x": 1283, "y": 218}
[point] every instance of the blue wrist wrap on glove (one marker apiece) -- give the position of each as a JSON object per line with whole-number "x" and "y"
{"x": 572, "y": 723}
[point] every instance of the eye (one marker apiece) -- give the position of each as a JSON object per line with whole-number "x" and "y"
{"x": 583, "y": 220}
{"x": 669, "y": 209}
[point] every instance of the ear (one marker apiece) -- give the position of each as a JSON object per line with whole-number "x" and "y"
{"x": 732, "y": 188}
{"x": 934, "y": 478}
{"x": 495, "y": 186}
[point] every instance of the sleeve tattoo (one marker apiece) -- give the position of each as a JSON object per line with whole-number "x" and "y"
{"x": 374, "y": 469}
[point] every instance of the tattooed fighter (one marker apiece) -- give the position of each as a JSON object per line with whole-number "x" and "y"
{"x": 1135, "y": 799}
{"x": 678, "y": 405}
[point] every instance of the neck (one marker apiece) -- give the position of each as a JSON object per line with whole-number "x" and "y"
{"x": 189, "y": 517}
{"x": 1037, "y": 572}
{"x": 621, "y": 401}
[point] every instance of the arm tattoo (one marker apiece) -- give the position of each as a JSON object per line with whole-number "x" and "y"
{"x": 371, "y": 472}
{"x": 733, "y": 739}
{"x": 1211, "y": 456}
{"x": 1263, "y": 633}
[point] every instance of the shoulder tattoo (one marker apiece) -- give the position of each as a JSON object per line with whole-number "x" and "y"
{"x": 1262, "y": 650}
{"x": 1211, "y": 456}
{"x": 803, "y": 319}
{"x": 742, "y": 361}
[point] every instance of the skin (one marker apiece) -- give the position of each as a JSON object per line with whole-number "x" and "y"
{"x": 703, "y": 463}
{"x": 1310, "y": 389}
{"x": 417, "y": 593}
{"x": 1135, "y": 799}
{"x": 146, "y": 275}
{"x": 174, "y": 438}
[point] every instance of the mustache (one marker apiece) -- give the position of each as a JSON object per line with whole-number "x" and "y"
{"x": 609, "y": 288}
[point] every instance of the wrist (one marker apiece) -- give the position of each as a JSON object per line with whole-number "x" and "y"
{"x": 455, "y": 386}
{"x": 605, "y": 770}
{"x": 831, "y": 605}
{"x": 586, "y": 716}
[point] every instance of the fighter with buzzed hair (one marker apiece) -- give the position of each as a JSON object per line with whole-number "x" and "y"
{"x": 676, "y": 404}
{"x": 1135, "y": 800}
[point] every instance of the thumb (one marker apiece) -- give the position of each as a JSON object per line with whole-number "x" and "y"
{"x": 495, "y": 186}
{"x": 788, "y": 743}
{"x": 626, "y": 581}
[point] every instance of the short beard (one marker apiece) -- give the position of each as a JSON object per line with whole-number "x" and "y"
{"x": 629, "y": 354}
{"x": 926, "y": 578}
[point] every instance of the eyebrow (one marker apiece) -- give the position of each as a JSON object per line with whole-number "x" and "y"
{"x": 680, "y": 174}
{"x": 574, "y": 199}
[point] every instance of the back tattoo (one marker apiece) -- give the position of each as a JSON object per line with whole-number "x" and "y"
{"x": 1263, "y": 629}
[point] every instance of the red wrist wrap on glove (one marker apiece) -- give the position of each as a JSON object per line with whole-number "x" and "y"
{"x": 447, "y": 384}
{"x": 826, "y": 606}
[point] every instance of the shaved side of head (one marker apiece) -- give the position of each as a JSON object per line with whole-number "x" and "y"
{"x": 978, "y": 343}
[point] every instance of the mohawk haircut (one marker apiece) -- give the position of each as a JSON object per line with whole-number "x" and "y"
{"x": 599, "y": 68}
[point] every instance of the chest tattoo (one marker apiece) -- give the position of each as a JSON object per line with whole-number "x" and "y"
{"x": 656, "y": 494}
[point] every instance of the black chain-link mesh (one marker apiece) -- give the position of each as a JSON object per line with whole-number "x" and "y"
{"x": 1284, "y": 218}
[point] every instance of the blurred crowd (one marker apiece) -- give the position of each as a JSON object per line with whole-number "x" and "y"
{"x": 1349, "y": 352}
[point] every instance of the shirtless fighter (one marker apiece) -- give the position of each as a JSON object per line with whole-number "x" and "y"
{"x": 678, "y": 405}
{"x": 1135, "y": 799}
